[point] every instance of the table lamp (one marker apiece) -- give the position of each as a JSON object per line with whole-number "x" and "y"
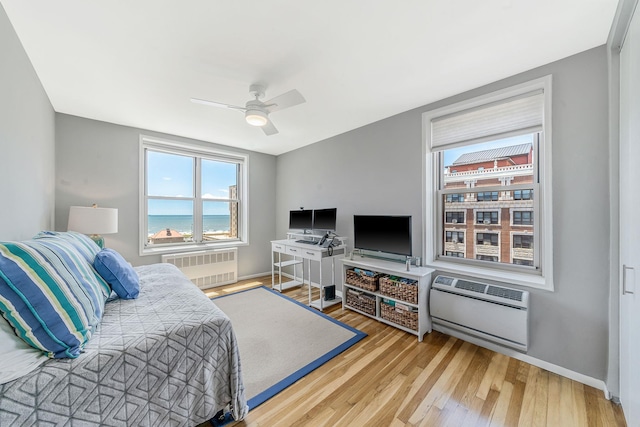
{"x": 93, "y": 221}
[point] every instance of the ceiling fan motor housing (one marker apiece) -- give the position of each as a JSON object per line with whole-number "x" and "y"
{"x": 256, "y": 115}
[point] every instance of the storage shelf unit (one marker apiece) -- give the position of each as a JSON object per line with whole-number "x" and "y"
{"x": 420, "y": 274}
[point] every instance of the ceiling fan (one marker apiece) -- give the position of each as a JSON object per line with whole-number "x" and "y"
{"x": 256, "y": 112}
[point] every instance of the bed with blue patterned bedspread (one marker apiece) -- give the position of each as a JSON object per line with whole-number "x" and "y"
{"x": 169, "y": 357}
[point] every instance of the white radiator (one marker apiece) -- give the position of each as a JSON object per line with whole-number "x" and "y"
{"x": 491, "y": 312}
{"x": 207, "y": 268}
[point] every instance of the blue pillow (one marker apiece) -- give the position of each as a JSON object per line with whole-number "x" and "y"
{"x": 51, "y": 296}
{"x": 117, "y": 272}
{"x": 83, "y": 243}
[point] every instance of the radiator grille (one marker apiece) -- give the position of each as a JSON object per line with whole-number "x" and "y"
{"x": 511, "y": 294}
{"x": 207, "y": 268}
{"x": 471, "y": 286}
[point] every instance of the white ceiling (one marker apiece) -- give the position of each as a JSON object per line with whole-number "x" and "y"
{"x": 138, "y": 63}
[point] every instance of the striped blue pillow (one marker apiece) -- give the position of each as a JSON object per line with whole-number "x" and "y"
{"x": 83, "y": 243}
{"x": 50, "y": 295}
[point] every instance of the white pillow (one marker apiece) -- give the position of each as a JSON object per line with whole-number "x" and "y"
{"x": 17, "y": 358}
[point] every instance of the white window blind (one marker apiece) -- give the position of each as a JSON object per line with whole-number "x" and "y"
{"x": 508, "y": 117}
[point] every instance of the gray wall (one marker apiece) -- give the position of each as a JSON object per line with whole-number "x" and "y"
{"x": 377, "y": 170}
{"x": 27, "y": 144}
{"x": 97, "y": 162}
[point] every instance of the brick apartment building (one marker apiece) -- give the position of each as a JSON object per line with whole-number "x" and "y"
{"x": 490, "y": 225}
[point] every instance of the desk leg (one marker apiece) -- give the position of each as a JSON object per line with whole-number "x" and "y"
{"x": 309, "y": 284}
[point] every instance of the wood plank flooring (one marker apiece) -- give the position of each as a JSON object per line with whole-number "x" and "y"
{"x": 390, "y": 379}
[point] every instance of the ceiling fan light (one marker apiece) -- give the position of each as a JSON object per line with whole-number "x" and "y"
{"x": 256, "y": 117}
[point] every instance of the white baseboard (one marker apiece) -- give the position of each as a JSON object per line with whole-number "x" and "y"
{"x": 576, "y": 376}
{"x": 253, "y": 276}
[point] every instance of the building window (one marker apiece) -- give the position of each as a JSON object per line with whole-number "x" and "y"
{"x": 454, "y": 236}
{"x": 522, "y": 218}
{"x": 487, "y": 218}
{"x": 491, "y": 258}
{"x": 454, "y": 217}
{"x": 487, "y": 196}
{"x": 454, "y": 198}
{"x": 190, "y": 196}
{"x": 522, "y": 241}
{"x": 455, "y": 254}
{"x": 487, "y": 239}
{"x": 523, "y": 194}
{"x": 499, "y": 144}
{"x": 527, "y": 262}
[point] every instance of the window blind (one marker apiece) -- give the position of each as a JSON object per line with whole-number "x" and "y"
{"x": 499, "y": 119}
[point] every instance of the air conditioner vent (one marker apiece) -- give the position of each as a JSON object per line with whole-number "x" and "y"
{"x": 511, "y": 294}
{"x": 471, "y": 286}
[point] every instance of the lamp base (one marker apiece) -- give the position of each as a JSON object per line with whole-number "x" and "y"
{"x": 98, "y": 239}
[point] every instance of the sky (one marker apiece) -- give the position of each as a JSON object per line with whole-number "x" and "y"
{"x": 451, "y": 155}
{"x": 172, "y": 175}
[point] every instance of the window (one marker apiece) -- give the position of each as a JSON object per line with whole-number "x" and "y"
{"x": 190, "y": 197}
{"x": 455, "y": 236}
{"x": 522, "y": 218}
{"x": 522, "y": 241}
{"x": 499, "y": 145}
{"x": 454, "y": 218}
{"x": 487, "y": 239}
{"x": 487, "y": 217}
{"x": 455, "y": 254}
{"x": 523, "y": 195}
{"x": 487, "y": 196}
{"x": 454, "y": 198}
{"x": 487, "y": 258}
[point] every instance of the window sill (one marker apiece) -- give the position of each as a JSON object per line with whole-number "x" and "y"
{"x": 191, "y": 247}
{"x": 502, "y": 276}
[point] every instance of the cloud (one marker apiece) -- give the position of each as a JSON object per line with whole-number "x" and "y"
{"x": 166, "y": 178}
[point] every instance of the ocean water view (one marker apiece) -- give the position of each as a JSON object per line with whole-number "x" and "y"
{"x": 184, "y": 223}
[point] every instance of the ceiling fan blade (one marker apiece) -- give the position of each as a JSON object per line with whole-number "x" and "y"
{"x": 269, "y": 128}
{"x": 286, "y": 100}
{"x": 216, "y": 104}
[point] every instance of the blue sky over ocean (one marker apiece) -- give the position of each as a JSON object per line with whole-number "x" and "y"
{"x": 171, "y": 175}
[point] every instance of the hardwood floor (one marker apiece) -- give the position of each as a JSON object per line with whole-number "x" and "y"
{"x": 390, "y": 379}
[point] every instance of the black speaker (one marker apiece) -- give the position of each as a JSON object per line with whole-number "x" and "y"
{"x": 330, "y": 293}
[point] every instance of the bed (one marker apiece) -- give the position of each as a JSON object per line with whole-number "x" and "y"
{"x": 168, "y": 357}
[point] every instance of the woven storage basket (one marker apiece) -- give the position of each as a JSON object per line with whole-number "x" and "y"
{"x": 368, "y": 283}
{"x": 361, "y": 301}
{"x": 403, "y": 291}
{"x": 400, "y": 316}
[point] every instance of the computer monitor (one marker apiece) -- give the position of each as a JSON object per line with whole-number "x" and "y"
{"x": 301, "y": 219}
{"x": 324, "y": 219}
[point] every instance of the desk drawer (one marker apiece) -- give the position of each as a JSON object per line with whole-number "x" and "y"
{"x": 295, "y": 251}
{"x": 278, "y": 247}
{"x": 313, "y": 255}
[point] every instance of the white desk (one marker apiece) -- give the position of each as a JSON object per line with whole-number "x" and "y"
{"x": 297, "y": 254}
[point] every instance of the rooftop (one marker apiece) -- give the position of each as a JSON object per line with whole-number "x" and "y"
{"x": 493, "y": 154}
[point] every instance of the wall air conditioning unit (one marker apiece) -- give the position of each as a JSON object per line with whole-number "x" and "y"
{"x": 494, "y": 313}
{"x": 454, "y": 221}
{"x": 487, "y": 221}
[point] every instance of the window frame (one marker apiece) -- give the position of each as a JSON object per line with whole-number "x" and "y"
{"x": 542, "y": 277}
{"x": 203, "y": 153}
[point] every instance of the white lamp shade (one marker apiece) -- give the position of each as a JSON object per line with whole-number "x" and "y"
{"x": 88, "y": 220}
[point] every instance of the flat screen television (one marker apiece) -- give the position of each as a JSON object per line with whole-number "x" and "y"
{"x": 324, "y": 219}
{"x": 383, "y": 233}
{"x": 301, "y": 219}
